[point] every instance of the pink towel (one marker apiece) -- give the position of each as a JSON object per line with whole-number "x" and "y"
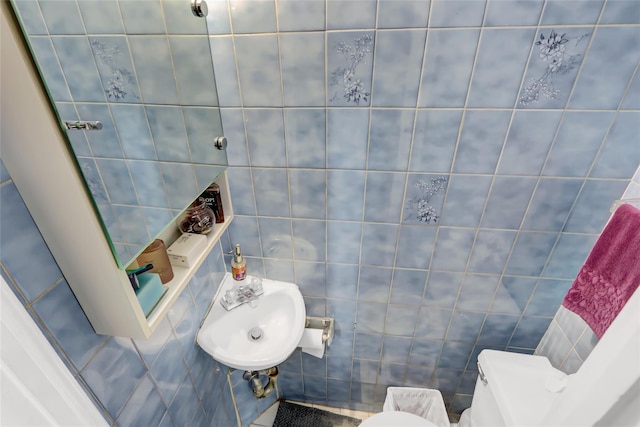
{"x": 610, "y": 274}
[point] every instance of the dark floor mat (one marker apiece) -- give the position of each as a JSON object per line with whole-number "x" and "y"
{"x": 292, "y": 415}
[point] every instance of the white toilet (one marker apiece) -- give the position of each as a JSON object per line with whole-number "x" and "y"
{"x": 512, "y": 390}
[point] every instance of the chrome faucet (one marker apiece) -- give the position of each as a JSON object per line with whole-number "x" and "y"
{"x": 242, "y": 294}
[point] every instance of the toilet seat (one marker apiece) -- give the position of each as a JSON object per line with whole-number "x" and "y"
{"x": 395, "y": 419}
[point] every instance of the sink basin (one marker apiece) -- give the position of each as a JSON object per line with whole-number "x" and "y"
{"x": 256, "y": 335}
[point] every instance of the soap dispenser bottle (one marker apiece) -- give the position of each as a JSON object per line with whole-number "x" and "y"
{"x": 238, "y": 265}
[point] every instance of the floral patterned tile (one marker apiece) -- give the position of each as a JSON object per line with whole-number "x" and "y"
{"x": 553, "y": 67}
{"x": 424, "y": 198}
{"x": 350, "y": 68}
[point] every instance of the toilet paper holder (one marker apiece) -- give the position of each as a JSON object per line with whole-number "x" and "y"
{"x": 327, "y": 324}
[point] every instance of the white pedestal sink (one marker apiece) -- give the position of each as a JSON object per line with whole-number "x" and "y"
{"x": 257, "y": 335}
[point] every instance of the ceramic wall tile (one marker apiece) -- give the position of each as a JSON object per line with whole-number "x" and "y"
{"x": 465, "y": 326}
{"x": 620, "y": 12}
{"x": 397, "y": 52}
{"x": 408, "y": 286}
{"x": 31, "y": 17}
{"x": 308, "y": 189}
{"x": 424, "y": 198}
{"x": 193, "y": 70}
{"x": 415, "y": 246}
{"x": 104, "y": 143}
{"x": 390, "y": 125}
{"x": 425, "y": 352}
{"x": 237, "y": 151}
{"x": 551, "y": 204}
{"x": 117, "y": 180}
{"x": 347, "y": 138}
{"x": 178, "y": 184}
{"x": 548, "y": 294}
{"x": 524, "y": 141}
{"x": 93, "y": 180}
{"x": 185, "y": 403}
{"x": 272, "y": 197}
{"x": 240, "y": 184}
{"x": 452, "y": 248}
{"x": 600, "y": 86}
{"x": 169, "y": 133}
{"x": 50, "y": 67}
{"x": 343, "y": 242}
{"x": 448, "y": 62}
{"x": 265, "y": 134}
{"x": 434, "y": 140}
{"x": 432, "y": 323}
{"x": 152, "y": 61}
{"x": 477, "y": 292}
{"x": 598, "y": 195}
{"x": 379, "y": 244}
{"x": 62, "y": 17}
{"x": 512, "y": 12}
{"x": 383, "y": 196}
{"x": 248, "y": 16}
{"x": 345, "y": 194}
{"x": 81, "y": 75}
{"x": 558, "y": 12}
{"x": 309, "y": 240}
{"x": 553, "y": 67}
{"x": 346, "y": 15}
{"x": 203, "y": 125}
{"x": 403, "y": 13}
{"x": 508, "y": 201}
{"x": 497, "y": 329}
{"x": 259, "y": 70}
{"x": 349, "y": 67}
{"x": 587, "y": 127}
{"x": 142, "y": 17}
{"x": 225, "y": 71}
{"x": 513, "y": 294}
{"x": 371, "y": 169}
{"x": 501, "y": 60}
{"x": 303, "y": 78}
{"x": 619, "y": 156}
{"x": 133, "y": 130}
{"x": 481, "y": 140}
{"x": 145, "y": 396}
{"x": 101, "y": 17}
{"x": 119, "y": 357}
{"x": 632, "y": 98}
{"x": 465, "y": 201}
{"x": 491, "y": 251}
{"x": 179, "y": 18}
{"x": 305, "y": 135}
{"x": 342, "y": 280}
{"x": 69, "y": 325}
{"x": 530, "y": 253}
{"x": 569, "y": 255}
{"x": 456, "y": 13}
{"x": 442, "y": 289}
{"x": 295, "y": 15}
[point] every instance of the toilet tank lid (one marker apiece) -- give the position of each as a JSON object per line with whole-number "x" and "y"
{"x": 518, "y": 383}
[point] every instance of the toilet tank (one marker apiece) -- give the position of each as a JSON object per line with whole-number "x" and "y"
{"x": 515, "y": 391}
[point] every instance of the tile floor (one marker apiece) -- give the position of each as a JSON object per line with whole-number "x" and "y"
{"x": 268, "y": 416}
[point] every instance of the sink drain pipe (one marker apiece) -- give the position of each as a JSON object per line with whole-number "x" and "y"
{"x": 259, "y": 389}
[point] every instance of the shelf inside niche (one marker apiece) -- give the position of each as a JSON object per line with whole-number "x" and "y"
{"x": 182, "y": 275}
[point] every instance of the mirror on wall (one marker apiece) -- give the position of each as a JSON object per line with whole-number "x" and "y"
{"x": 133, "y": 86}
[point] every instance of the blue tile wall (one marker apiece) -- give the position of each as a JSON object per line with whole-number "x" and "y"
{"x": 166, "y": 380}
{"x": 462, "y": 156}
{"x": 332, "y": 153}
